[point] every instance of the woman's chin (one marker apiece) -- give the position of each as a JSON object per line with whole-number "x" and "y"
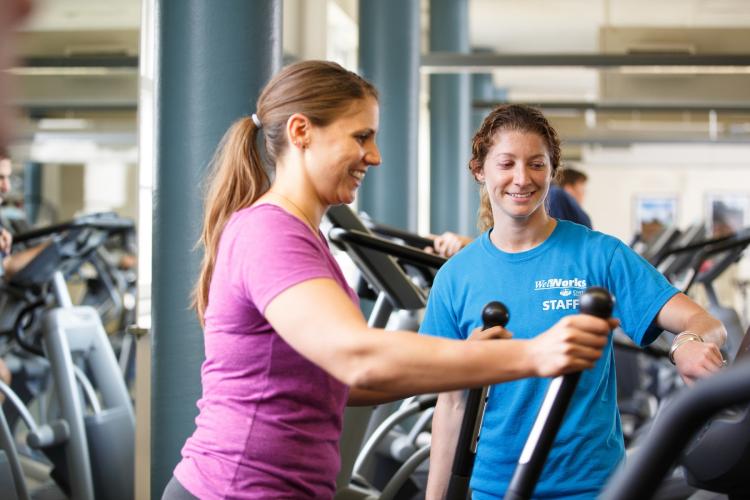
{"x": 345, "y": 199}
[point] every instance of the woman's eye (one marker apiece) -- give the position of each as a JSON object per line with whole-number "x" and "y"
{"x": 362, "y": 138}
{"x": 506, "y": 164}
{"x": 538, "y": 166}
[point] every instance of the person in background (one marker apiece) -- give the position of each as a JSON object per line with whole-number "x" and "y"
{"x": 13, "y": 260}
{"x": 573, "y": 182}
{"x": 565, "y": 198}
{"x": 287, "y": 347}
{"x": 539, "y": 266}
{"x": 12, "y": 14}
{"x": 6, "y": 169}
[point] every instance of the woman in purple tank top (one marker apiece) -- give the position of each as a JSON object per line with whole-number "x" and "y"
{"x": 287, "y": 347}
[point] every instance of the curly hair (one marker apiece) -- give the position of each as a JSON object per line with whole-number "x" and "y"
{"x": 516, "y": 117}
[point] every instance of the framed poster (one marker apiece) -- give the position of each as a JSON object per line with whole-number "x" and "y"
{"x": 727, "y": 213}
{"x": 654, "y": 213}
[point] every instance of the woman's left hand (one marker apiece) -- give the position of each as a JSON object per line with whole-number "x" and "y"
{"x": 696, "y": 360}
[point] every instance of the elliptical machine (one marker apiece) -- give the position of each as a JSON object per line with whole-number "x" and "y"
{"x": 89, "y": 443}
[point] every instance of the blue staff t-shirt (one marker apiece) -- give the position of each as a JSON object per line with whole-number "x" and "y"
{"x": 540, "y": 286}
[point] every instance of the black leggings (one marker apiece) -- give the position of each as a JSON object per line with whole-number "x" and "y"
{"x": 176, "y": 491}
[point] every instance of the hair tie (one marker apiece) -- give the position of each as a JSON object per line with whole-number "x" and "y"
{"x": 256, "y": 121}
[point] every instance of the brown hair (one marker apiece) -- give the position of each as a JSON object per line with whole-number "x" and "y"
{"x": 516, "y": 117}
{"x": 570, "y": 177}
{"x": 320, "y": 90}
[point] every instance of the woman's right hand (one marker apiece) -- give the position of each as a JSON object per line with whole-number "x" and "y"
{"x": 573, "y": 344}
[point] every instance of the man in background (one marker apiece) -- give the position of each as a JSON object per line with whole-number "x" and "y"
{"x": 12, "y": 13}
{"x": 6, "y": 240}
{"x": 566, "y": 197}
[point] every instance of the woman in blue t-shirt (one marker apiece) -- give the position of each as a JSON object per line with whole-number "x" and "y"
{"x": 539, "y": 266}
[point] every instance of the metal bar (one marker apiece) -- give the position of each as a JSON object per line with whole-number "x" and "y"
{"x": 447, "y": 62}
{"x": 410, "y": 239}
{"x": 88, "y": 390}
{"x": 401, "y": 252}
{"x": 23, "y": 412}
{"x": 655, "y": 107}
{"x": 38, "y": 107}
{"x": 123, "y": 61}
{"x": 76, "y": 449}
{"x": 8, "y": 445}
{"x": 60, "y": 290}
{"x": 652, "y": 139}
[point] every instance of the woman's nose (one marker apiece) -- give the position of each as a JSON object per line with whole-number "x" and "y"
{"x": 372, "y": 157}
{"x": 520, "y": 174}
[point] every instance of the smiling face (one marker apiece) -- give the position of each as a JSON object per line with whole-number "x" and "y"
{"x": 517, "y": 173}
{"x": 340, "y": 153}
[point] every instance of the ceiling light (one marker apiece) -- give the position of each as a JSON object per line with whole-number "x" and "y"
{"x": 62, "y": 124}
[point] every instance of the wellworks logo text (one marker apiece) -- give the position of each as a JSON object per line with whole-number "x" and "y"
{"x": 552, "y": 283}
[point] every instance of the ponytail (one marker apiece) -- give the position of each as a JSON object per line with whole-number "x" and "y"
{"x": 484, "y": 215}
{"x": 237, "y": 179}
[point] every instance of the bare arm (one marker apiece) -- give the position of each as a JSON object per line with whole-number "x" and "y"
{"x": 446, "y": 425}
{"x": 693, "y": 359}
{"x": 329, "y": 330}
{"x": 362, "y": 397}
{"x": 18, "y": 260}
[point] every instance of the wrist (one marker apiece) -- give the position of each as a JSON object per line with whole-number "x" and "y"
{"x": 680, "y": 340}
{"x": 531, "y": 359}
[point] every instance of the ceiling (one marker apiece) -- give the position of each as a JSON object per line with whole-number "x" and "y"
{"x": 613, "y": 105}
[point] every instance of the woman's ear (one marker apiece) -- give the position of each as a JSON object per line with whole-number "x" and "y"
{"x": 477, "y": 171}
{"x": 298, "y": 128}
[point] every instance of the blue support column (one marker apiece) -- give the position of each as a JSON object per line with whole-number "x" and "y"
{"x": 213, "y": 58}
{"x": 389, "y": 58}
{"x": 32, "y": 190}
{"x": 454, "y": 197}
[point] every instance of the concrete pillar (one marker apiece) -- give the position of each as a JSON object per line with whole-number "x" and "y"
{"x": 211, "y": 62}
{"x": 389, "y": 58}
{"x": 454, "y": 196}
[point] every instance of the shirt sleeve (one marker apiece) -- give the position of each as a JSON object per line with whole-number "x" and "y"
{"x": 274, "y": 257}
{"x": 440, "y": 319}
{"x": 640, "y": 292}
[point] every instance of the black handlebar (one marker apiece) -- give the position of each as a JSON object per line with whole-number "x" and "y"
{"x": 494, "y": 314}
{"x": 738, "y": 245}
{"x": 103, "y": 221}
{"x": 401, "y": 252}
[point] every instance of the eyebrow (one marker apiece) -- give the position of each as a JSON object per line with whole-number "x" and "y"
{"x": 532, "y": 157}
{"x": 367, "y": 131}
